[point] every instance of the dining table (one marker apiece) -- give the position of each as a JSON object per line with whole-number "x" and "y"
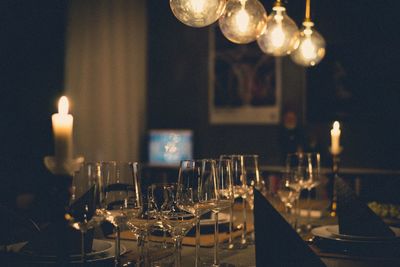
{"x": 247, "y": 257}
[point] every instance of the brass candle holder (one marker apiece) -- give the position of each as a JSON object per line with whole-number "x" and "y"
{"x": 335, "y": 173}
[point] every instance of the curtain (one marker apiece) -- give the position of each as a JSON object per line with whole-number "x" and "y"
{"x": 105, "y": 77}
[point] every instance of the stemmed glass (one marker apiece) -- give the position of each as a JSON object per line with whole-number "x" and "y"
{"x": 141, "y": 225}
{"x": 122, "y": 199}
{"x": 162, "y": 200}
{"x": 306, "y": 167}
{"x": 288, "y": 191}
{"x": 197, "y": 191}
{"x": 254, "y": 181}
{"x": 84, "y": 201}
{"x": 224, "y": 198}
{"x": 240, "y": 189}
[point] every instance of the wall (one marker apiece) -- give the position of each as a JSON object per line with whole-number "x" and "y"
{"x": 32, "y": 64}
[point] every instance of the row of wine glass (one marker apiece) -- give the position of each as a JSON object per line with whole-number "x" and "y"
{"x": 112, "y": 191}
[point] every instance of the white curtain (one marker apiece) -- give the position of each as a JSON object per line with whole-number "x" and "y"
{"x": 105, "y": 77}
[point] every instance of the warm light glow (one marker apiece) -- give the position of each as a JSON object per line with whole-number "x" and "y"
{"x": 336, "y": 125}
{"x": 197, "y": 13}
{"x": 242, "y": 20}
{"x": 307, "y": 48}
{"x": 197, "y": 5}
{"x": 63, "y": 105}
{"x": 278, "y": 37}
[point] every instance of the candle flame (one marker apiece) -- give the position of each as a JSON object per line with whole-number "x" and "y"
{"x": 336, "y": 125}
{"x": 63, "y": 105}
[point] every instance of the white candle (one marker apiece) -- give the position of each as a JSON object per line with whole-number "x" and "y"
{"x": 335, "y": 138}
{"x": 62, "y": 130}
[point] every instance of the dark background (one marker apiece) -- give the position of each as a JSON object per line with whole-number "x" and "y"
{"x": 361, "y": 33}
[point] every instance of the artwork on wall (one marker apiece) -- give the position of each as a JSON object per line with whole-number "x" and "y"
{"x": 244, "y": 85}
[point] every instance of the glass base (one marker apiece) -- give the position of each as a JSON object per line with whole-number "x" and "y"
{"x": 236, "y": 245}
{"x": 209, "y": 263}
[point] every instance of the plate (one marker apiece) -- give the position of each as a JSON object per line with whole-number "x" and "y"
{"x": 327, "y": 239}
{"x": 102, "y": 250}
{"x": 222, "y": 219}
{"x": 332, "y": 232}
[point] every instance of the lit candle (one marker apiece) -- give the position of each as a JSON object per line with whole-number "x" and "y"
{"x": 335, "y": 138}
{"x": 62, "y": 129}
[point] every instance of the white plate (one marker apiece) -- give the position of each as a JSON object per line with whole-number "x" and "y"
{"x": 332, "y": 232}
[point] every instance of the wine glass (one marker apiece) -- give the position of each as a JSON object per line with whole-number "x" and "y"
{"x": 306, "y": 167}
{"x": 225, "y": 198}
{"x": 196, "y": 191}
{"x": 240, "y": 189}
{"x": 84, "y": 201}
{"x": 141, "y": 225}
{"x": 162, "y": 199}
{"x": 288, "y": 191}
{"x": 254, "y": 181}
{"x": 122, "y": 198}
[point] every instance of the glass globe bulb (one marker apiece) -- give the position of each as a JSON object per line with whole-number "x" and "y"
{"x": 197, "y": 13}
{"x": 309, "y": 46}
{"x": 243, "y": 20}
{"x": 280, "y": 34}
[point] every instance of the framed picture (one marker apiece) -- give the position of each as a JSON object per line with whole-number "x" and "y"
{"x": 245, "y": 84}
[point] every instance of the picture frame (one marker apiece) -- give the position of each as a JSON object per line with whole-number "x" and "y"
{"x": 245, "y": 84}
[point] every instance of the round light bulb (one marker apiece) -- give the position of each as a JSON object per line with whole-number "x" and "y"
{"x": 280, "y": 34}
{"x": 197, "y": 13}
{"x": 243, "y": 20}
{"x": 309, "y": 46}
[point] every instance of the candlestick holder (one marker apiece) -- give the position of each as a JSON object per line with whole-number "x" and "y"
{"x": 66, "y": 167}
{"x": 335, "y": 173}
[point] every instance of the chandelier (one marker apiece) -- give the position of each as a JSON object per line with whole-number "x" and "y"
{"x": 245, "y": 21}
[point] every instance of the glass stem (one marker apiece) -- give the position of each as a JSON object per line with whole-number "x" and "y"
{"x": 197, "y": 255}
{"x": 309, "y": 209}
{"x": 83, "y": 252}
{"x": 142, "y": 247}
{"x": 296, "y": 213}
{"x": 117, "y": 246}
{"x": 178, "y": 251}
{"x": 231, "y": 223}
{"x": 288, "y": 209}
{"x": 244, "y": 232}
{"x": 164, "y": 243}
{"x": 216, "y": 240}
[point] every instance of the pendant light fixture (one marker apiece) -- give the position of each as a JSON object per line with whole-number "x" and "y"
{"x": 280, "y": 34}
{"x": 243, "y": 20}
{"x": 197, "y": 13}
{"x": 310, "y": 45}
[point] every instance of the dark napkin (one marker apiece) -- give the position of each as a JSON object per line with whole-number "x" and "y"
{"x": 84, "y": 206}
{"x": 277, "y": 244}
{"x": 355, "y": 217}
{"x": 59, "y": 237}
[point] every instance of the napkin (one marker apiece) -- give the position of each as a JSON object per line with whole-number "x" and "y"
{"x": 277, "y": 244}
{"x": 84, "y": 206}
{"x": 60, "y": 238}
{"x": 355, "y": 217}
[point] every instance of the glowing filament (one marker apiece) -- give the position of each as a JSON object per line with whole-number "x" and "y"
{"x": 278, "y": 37}
{"x": 197, "y": 5}
{"x": 307, "y": 49}
{"x": 242, "y": 20}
